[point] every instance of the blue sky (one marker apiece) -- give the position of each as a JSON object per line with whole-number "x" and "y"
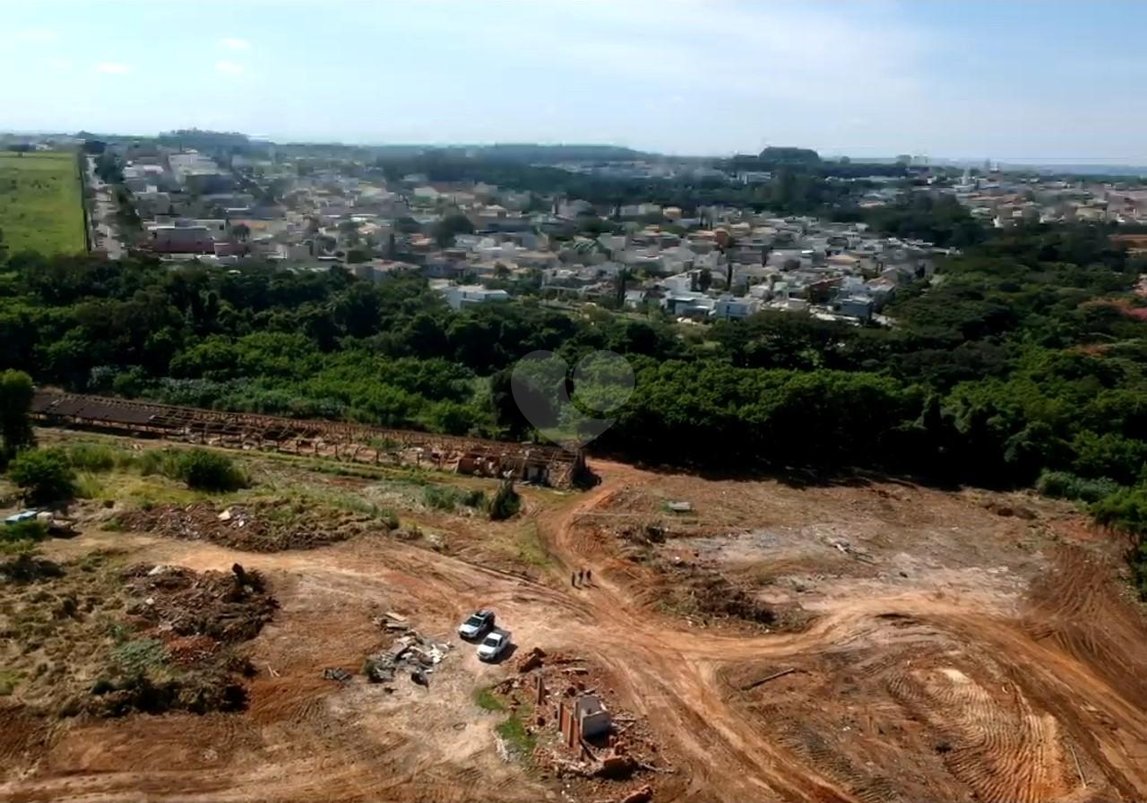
{"x": 1039, "y": 79}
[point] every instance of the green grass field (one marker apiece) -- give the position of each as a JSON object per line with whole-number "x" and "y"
{"x": 41, "y": 208}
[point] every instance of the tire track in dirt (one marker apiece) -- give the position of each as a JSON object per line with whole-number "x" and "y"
{"x": 1007, "y": 724}
{"x": 1008, "y": 751}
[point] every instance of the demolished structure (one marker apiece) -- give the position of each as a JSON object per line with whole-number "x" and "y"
{"x": 544, "y": 465}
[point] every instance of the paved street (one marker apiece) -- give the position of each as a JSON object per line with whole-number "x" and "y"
{"x": 105, "y": 236}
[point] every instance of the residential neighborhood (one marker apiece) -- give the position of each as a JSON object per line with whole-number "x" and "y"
{"x": 480, "y": 243}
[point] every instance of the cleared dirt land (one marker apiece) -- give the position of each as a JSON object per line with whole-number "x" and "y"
{"x": 874, "y": 641}
{"x": 40, "y": 204}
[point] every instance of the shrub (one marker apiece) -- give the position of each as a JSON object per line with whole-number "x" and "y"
{"x": 159, "y": 461}
{"x": 88, "y": 486}
{"x": 1064, "y": 485}
{"x": 1126, "y": 511}
{"x": 443, "y": 497}
{"x": 44, "y": 474}
{"x": 506, "y": 502}
{"x": 488, "y": 701}
{"x": 438, "y": 497}
{"x": 210, "y": 471}
{"x": 27, "y": 567}
{"x": 92, "y": 457}
{"x": 389, "y": 519}
{"x": 135, "y": 657}
{"x": 23, "y": 532}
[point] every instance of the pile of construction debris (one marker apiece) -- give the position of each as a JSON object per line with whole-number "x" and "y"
{"x": 409, "y": 652}
{"x": 585, "y": 736}
{"x": 258, "y": 527}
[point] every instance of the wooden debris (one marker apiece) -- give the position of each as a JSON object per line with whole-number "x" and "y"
{"x": 765, "y": 680}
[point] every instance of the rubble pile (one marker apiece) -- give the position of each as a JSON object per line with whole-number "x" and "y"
{"x": 182, "y": 647}
{"x": 410, "y": 652}
{"x": 615, "y": 763}
{"x": 261, "y": 527}
{"x": 531, "y": 660}
{"x": 642, "y": 795}
{"x": 222, "y": 607}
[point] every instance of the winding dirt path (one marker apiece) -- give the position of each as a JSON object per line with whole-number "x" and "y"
{"x": 672, "y": 674}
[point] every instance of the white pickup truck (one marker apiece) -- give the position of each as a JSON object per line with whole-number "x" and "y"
{"x": 495, "y": 643}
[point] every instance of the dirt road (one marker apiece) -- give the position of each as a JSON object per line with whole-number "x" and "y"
{"x": 945, "y": 691}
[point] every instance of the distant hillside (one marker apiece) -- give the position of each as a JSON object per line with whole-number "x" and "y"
{"x": 789, "y": 156}
{"x": 550, "y": 154}
{"x": 520, "y": 152}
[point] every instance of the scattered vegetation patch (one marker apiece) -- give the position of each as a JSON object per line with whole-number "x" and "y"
{"x": 487, "y": 700}
{"x": 1126, "y": 511}
{"x": 531, "y": 548}
{"x": 93, "y": 638}
{"x": 200, "y": 469}
{"x": 27, "y": 567}
{"x": 517, "y": 738}
{"x": 8, "y": 681}
{"x": 209, "y": 471}
{"x": 260, "y": 526}
{"x": 709, "y": 597}
{"x": 506, "y": 503}
{"x": 1064, "y": 485}
{"x": 446, "y": 497}
{"x": 23, "y": 533}
{"x": 44, "y": 475}
{"x": 95, "y": 457}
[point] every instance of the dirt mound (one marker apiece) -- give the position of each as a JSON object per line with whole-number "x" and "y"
{"x": 226, "y": 608}
{"x": 181, "y": 658}
{"x": 29, "y": 568}
{"x": 710, "y": 598}
{"x": 25, "y": 734}
{"x": 262, "y": 527}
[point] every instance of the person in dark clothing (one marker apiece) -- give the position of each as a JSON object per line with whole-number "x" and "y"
{"x": 589, "y": 576}
{"x": 573, "y": 579}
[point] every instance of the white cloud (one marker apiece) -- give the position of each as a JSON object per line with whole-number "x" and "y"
{"x": 235, "y": 44}
{"x": 229, "y": 67}
{"x": 112, "y": 68}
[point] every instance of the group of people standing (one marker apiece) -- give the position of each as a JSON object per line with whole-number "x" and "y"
{"x": 582, "y": 577}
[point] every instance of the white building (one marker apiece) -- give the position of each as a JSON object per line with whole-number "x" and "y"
{"x": 728, "y": 307}
{"x": 462, "y": 295}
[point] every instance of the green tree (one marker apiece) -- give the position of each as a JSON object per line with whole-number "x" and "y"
{"x": 705, "y": 280}
{"x": 506, "y": 502}
{"x": 16, "y": 392}
{"x": 44, "y": 474}
{"x": 449, "y": 227}
{"x": 349, "y": 230}
{"x": 209, "y": 471}
{"x": 1126, "y": 511}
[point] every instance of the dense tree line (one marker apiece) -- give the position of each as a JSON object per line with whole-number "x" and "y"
{"x": 798, "y": 189}
{"x": 1026, "y": 356}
